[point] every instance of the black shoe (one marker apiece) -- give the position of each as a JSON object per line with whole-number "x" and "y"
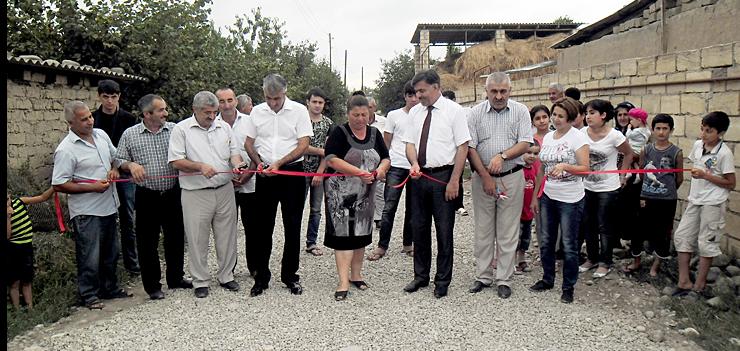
{"x": 295, "y": 288}
{"x": 567, "y": 296}
{"x": 440, "y": 292}
{"x": 201, "y": 292}
{"x": 415, "y": 285}
{"x": 157, "y": 295}
{"x": 504, "y": 291}
{"x": 120, "y": 294}
{"x": 540, "y": 286}
{"x": 257, "y": 289}
{"x": 340, "y": 295}
{"x": 377, "y": 224}
{"x": 477, "y": 287}
{"x": 182, "y": 284}
{"x": 231, "y": 286}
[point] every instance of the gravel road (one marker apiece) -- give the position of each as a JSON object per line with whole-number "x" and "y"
{"x": 383, "y": 317}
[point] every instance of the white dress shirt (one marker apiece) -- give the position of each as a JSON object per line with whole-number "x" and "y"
{"x": 447, "y": 130}
{"x": 276, "y": 134}
{"x": 240, "y": 135}
{"x": 379, "y": 123}
{"x": 396, "y": 124}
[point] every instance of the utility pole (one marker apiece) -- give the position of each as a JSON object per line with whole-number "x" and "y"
{"x": 345, "y": 69}
{"x": 362, "y": 78}
{"x": 330, "y": 51}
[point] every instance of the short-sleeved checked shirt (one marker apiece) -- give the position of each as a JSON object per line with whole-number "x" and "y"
{"x": 493, "y": 132}
{"x": 139, "y": 144}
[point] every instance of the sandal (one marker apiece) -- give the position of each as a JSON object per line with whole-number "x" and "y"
{"x": 340, "y": 295}
{"x": 314, "y": 250}
{"x": 360, "y": 284}
{"x": 377, "y": 254}
{"x": 95, "y": 304}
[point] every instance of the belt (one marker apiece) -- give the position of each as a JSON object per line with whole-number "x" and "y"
{"x": 436, "y": 169}
{"x": 213, "y": 187}
{"x": 516, "y": 168}
{"x": 160, "y": 192}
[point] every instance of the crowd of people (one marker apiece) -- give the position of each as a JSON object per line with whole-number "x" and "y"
{"x": 579, "y": 176}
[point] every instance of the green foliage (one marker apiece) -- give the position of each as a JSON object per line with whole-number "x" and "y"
{"x": 173, "y": 43}
{"x": 396, "y": 72}
{"x": 563, "y": 20}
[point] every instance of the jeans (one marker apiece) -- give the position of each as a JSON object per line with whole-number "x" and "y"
{"x": 525, "y": 236}
{"x": 429, "y": 202}
{"x": 96, "y": 251}
{"x": 314, "y": 216}
{"x": 126, "y": 194}
{"x": 566, "y": 216}
{"x": 394, "y": 177}
{"x": 600, "y": 240}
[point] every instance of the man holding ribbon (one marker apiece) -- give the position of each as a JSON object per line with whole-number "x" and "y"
{"x": 206, "y": 146}
{"x": 436, "y": 145}
{"x": 278, "y": 133}
{"x": 501, "y": 131}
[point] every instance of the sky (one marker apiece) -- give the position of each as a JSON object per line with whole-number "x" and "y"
{"x": 378, "y": 30}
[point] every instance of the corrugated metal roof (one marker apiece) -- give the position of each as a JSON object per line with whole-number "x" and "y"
{"x": 478, "y": 32}
{"x": 56, "y": 66}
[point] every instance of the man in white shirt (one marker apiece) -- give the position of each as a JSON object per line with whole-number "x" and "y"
{"x": 396, "y": 125}
{"x": 244, "y": 191}
{"x": 206, "y": 145}
{"x": 378, "y": 122}
{"x": 436, "y": 145}
{"x": 501, "y": 132}
{"x": 278, "y": 133}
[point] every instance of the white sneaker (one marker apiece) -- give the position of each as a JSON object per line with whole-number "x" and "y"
{"x": 462, "y": 212}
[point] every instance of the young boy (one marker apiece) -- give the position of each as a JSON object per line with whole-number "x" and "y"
{"x": 531, "y": 165}
{"x": 659, "y": 195}
{"x": 20, "y": 247}
{"x": 702, "y": 223}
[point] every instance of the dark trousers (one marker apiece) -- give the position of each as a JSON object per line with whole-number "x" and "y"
{"x": 392, "y": 196}
{"x": 126, "y": 194}
{"x": 600, "y": 241}
{"x": 656, "y": 225}
{"x": 247, "y": 204}
{"x": 459, "y": 200}
{"x": 556, "y": 215}
{"x": 289, "y": 192}
{"x": 429, "y": 202}
{"x": 159, "y": 212}
{"x": 96, "y": 251}
{"x": 525, "y": 235}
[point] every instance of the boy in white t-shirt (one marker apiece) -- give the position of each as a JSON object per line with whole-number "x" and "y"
{"x": 702, "y": 224}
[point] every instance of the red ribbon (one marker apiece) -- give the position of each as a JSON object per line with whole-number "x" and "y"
{"x": 423, "y": 175}
{"x": 58, "y": 209}
{"x": 621, "y": 171}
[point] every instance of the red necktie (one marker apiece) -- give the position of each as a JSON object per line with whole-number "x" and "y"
{"x": 422, "y": 157}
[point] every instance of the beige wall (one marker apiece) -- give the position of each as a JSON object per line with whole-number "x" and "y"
{"x": 693, "y": 24}
{"x": 36, "y": 122}
{"x": 669, "y": 93}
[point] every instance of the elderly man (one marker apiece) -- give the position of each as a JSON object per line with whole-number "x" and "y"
{"x": 554, "y": 92}
{"x": 84, "y": 162}
{"x": 143, "y": 151}
{"x": 244, "y": 104}
{"x": 245, "y": 197}
{"x": 501, "y": 131}
{"x": 278, "y": 133}
{"x": 377, "y": 121}
{"x": 206, "y": 145}
{"x": 436, "y": 144}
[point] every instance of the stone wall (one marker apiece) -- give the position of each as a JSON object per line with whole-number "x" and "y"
{"x": 685, "y": 84}
{"x": 690, "y": 24}
{"x": 35, "y": 117}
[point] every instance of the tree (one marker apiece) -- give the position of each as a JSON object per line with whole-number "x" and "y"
{"x": 395, "y": 73}
{"x": 563, "y": 20}
{"x": 173, "y": 44}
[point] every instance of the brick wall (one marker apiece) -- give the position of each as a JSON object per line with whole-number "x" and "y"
{"x": 685, "y": 84}
{"x": 35, "y": 118}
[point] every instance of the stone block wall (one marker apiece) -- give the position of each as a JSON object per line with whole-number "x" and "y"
{"x": 686, "y": 85}
{"x": 35, "y": 118}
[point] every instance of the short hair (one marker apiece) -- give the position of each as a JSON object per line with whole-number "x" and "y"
{"x": 603, "y": 106}
{"x": 146, "y": 102}
{"x": 717, "y": 120}
{"x": 358, "y": 92}
{"x": 573, "y": 92}
{"x": 449, "y": 94}
{"x": 408, "y": 89}
{"x": 625, "y": 105}
{"x": 556, "y": 86}
{"x": 428, "y": 76}
{"x": 242, "y": 100}
{"x": 274, "y": 83}
{"x": 205, "y": 99}
{"x": 107, "y": 86}
{"x": 581, "y": 107}
{"x": 536, "y": 109}
{"x": 662, "y": 118}
{"x": 225, "y": 88}
{"x": 569, "y": 105}
{"x": 357, "y": 101}
{"x": 371, "y": 100}
{"x": 316, "y": 91}
{"x": 498, "y": 77}
{"x": 71, "y": 108}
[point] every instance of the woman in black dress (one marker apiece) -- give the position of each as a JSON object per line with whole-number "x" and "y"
{"x": 358, "y": 149}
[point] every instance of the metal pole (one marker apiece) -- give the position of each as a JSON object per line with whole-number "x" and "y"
{"x": 330, "y": 51}
{"x": 362, "y": 78}
{"x": 345, "y": 69}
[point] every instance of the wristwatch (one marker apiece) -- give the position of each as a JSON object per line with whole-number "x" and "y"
{"x": 503, "y": 156}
